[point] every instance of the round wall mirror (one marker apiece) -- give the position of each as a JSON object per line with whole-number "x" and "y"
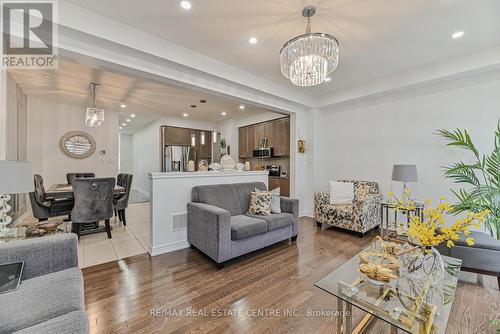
{"x": 77, "y": 144}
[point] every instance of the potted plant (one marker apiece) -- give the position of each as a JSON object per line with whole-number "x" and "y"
{"x": 482, "y": 178}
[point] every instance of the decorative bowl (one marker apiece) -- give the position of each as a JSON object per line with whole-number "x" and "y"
{"x": 215, "y": 166}
{"x": 240, "y": 167}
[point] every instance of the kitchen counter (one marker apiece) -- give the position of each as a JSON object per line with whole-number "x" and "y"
{"x": 169, "y": 194}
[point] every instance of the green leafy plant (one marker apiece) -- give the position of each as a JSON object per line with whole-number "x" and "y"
{"x": 482, "y": 178}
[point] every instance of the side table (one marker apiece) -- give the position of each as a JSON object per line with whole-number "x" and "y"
{"x": 386, "y": 206}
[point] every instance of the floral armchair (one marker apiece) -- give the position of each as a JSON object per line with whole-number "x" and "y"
{"x": 360, "y": 216}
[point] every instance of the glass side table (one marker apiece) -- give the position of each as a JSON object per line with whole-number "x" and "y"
{"x": 388, "y": 229}
{"x": 402, "y": 303}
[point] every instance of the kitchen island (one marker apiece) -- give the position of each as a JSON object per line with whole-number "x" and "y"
{"x": 169, "y": 195}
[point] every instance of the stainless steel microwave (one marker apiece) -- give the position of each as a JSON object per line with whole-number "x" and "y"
{"x": 267, "y": 152}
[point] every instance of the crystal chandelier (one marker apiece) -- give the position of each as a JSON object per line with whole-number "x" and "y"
{"x": 94, "y": 115}
{"x": 308, "y": 59}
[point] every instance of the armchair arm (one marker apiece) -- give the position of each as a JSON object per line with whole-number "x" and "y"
{"x": 42, "y": 255}
{"x": 367, "y": 210}
{"x": 291, "y": 205}
{"x": 209, "y": 229}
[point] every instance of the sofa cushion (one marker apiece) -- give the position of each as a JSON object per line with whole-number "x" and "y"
{"x": 74, "y": 322}
{"x": 260, "y": 203}
{"x": 244, "y": 189}
{"x": 243, "y": 227}
{"x": 481, "y": 240}
{"x": 276, "y": 220}
{"x": 40, "y": 299}
{"x": 222, "y": 196}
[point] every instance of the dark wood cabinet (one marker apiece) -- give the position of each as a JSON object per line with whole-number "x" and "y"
{"x": 276, "y": 131}
{"x": 280, "y": 182}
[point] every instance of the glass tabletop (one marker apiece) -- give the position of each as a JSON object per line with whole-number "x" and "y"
{"x": 413, "y": 305}
{"x": 27, "y": 232}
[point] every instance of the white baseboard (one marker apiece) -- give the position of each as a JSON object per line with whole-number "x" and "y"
{"x": 306, "y": 214}
{"x": 167, "y": 248}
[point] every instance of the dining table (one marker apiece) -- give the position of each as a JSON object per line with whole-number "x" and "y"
{"x": 65, "y": 191}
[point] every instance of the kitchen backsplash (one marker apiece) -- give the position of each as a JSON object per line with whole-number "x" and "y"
{"x": 284, "y": 163}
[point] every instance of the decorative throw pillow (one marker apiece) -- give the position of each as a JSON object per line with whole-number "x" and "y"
{"x": 275, "y": 199}
{"x": 341, "y": 192}
{"x": 260, "y": 203}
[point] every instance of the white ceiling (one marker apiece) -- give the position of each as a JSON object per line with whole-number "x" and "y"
{"x": 148, "y": 100}
{"x": 377, "y": 37}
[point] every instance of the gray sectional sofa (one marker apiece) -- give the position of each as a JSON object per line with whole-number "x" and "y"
{"x": 50, "y": 297}
{"x": 219, "y": 226}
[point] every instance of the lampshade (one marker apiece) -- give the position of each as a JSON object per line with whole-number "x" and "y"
{"x": 15, "y": 177}
{"x": 404, "y": 173}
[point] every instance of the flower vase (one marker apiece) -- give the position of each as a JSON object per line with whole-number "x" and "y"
{"x": 424, "y": 264}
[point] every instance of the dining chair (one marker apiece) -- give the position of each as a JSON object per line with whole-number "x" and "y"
{"x": 71, "y": 176}
{"x": 93, "y": 202}
{"x": 121, "y": 203}
{"x": 119, "y": 179}
{"x": 43, "y": 206}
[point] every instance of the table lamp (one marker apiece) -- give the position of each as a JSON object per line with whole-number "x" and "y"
{"x": 404, "y": 173}
{"x": 15, "y": 178}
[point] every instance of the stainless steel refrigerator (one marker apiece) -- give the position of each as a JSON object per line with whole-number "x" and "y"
{"x": 176, "y": 158}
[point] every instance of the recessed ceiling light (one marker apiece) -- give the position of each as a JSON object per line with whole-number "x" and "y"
{"x": 123, "y": 105}
{"x": 253, "y": 40}
{"x": 328, "y": 79}
{"x": 132, "y": 115}
{"x": 128, "y": 119}
{"x": 203, "y": 101}
{"x": 223, "y": 113}
{"x": 242, "y": 107}
{"x": 120, "y": 127}
{"x": 193, "y": 106}
{"x": 457, "y": 34}
{"x": 186, "y": 4}
{"x": 124, "y": 124}
{"x": 185, "y": 115}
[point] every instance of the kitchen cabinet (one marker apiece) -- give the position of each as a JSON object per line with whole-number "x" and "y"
{"x": 280, "y": 182}
{"x": 276, "y": 131}
{"x": 204, "y": 151}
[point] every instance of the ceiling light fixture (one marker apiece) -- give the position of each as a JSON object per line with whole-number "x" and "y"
{"x": 242, "y": 107}
{"x": 253, "y": 40}
{"x": 457, "y": 34}
{"x": 223, "y": 113}
{"x": 124, "y": 124}
{"x": 202, "y": 137}
{"x": 123, "y": 105}
{"x": 94, "y": 116}
{"x": 186, "y": 5}
{"x": 214, "y": 136}
{"x": 120, "y": 127}
{"x": 128, "y": 119}
{"x": 308, "y": 59}
{"x": 185, "y": 115}
{"x": 132, "y": 115}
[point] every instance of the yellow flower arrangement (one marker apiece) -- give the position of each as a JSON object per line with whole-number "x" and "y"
{"x": 433, "y": 231}
{"x": 404, "y": 203}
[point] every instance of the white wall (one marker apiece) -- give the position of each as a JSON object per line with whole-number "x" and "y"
{"x": 363, "y": 142}
{"x": 146, "y": 148}
{"x": 48, "y": 121}
{"x": 3, "y": 114}
{"x": 126, "y": 162}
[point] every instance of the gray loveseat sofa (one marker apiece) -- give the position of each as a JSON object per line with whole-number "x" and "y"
{"x": 50, "y": 297}
{"x": 219, "y": 226}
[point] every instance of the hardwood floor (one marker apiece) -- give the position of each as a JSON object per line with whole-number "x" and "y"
{"x": 121, "y": 296}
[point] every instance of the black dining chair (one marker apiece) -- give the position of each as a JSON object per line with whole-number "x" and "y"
{"x": 121, "y": 203}
{"x": 119, "y": 179}
{"x": 71, "y": 176}
{"x": 43, "y": 206}
{"x": 93, "y": 202}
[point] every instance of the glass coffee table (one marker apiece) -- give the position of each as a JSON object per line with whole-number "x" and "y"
{"x": 412, "y": 305}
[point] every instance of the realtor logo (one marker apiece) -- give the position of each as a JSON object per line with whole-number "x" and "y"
{"x": 29, "y": 36}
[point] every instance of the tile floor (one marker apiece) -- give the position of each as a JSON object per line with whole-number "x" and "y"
{"x": 126, "y": 241}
